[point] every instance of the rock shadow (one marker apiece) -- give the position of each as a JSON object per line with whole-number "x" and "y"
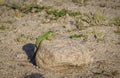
{"x": 29, "y": 50}
{"x": 34, "y": 75}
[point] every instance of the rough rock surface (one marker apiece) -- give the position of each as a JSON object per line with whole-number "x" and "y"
{"x": 62, "y": 53}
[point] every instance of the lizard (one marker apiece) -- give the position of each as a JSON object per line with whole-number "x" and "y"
{"x": 47, "y": 35}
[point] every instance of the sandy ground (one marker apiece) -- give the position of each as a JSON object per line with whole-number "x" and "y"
{"x": 18, "y": 38}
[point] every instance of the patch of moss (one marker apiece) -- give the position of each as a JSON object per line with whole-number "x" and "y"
{"x": 114, "y": 73}
{"x": 118, "y": 31}
{"x": 28, "y": 8}
{"x": 8, "y": 21}
{"x": 35, "y": 7}
{"x": 116, "y": 21}
{"x": 76, "y": 36}
{"x": 3, "y": 28}
{"x": 63, "y": 12}
{"x": 95, "y": 19}
{"x": 20, "y": 40}
{"x": 79, "y": 22}
{"x": 71, "y": 13}
{"x": 19, "y": 14}
{"x": 98, "y": 35}
{"x": 85, "y": 37}
{"x": 81, "y": 2}
{"x": 31, "y": 7}
{"x": 100, "y": 72}
{"x": 15, "y": 6}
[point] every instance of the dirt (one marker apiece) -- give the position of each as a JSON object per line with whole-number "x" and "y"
{"x": 17, "y": 38}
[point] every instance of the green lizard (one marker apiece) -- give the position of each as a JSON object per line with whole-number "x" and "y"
{"x": 40, "y": 39}
{"x": 43, "y": 37}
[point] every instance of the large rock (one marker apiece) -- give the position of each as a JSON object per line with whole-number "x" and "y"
{"x": 61, "y": 53}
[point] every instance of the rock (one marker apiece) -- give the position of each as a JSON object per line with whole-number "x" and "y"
{"x": 61, "y": 53}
